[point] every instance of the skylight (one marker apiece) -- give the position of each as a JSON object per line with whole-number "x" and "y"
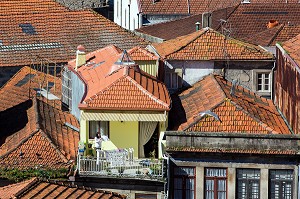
{"x": 24, "y": 80}
{"x": 28, "y": 28}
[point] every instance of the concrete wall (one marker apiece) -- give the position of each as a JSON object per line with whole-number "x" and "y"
{"x": 125, "y": 135}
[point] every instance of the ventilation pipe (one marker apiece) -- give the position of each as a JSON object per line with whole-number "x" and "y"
{"x": 80, "y": 57}
{"x": 197, "y": 26}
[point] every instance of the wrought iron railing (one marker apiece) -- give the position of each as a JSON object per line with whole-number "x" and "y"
{"x": 152, "y": 169}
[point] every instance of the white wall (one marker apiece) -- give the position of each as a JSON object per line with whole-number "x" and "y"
{"x": 193, "y": 71}
{"x": 126, "y": 14}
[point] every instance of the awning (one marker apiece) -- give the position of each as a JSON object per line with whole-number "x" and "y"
{"x": 159, "y": 117}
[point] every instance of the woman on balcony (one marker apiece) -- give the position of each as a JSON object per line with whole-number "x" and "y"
{"x": 98, "y": 143}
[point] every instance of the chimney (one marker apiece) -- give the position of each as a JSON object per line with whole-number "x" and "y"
{"x": 272, "y": 23}
{"x": 80, "y": 57}
{"x": 197, "y": 25}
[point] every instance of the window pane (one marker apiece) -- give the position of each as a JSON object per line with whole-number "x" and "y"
{"x": 215, "y": 183}
{"x": 248, "y": 183}
{"x": 281, "y": 184}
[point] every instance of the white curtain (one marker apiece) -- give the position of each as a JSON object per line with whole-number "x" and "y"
{"x": 146, "y": 131}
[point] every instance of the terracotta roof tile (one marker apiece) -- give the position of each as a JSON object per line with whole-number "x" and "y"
{"x": 29, "y": 124}
{"x": 186, "y": 25}
{"x": 112, "y": 85}
{"x": 183, "y": 7}
{"x": 51, "y": 32}
{"x": 141, "y": 54}
{"x": 41, "y": 189}
{"x": 242, "y": 112}
{"x": 208, "y": 44}
{"x": 292, "y": 46}
{"x": 252, "y": 19}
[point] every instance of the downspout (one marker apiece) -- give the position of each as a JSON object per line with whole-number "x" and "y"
{"x": 167, "y": 183}
{"x": 273, "y": 79}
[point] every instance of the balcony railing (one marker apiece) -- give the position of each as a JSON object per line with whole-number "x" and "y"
{"x": 120, "y": 166}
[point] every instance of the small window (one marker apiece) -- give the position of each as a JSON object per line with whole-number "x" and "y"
{"x": 215, "y": 183}
{"x": 281, "y": 184}
{"x": 248, "y": 185}
{"x": 98, "y": 126}
{"x": 27, "y": 28}
{"x": 184, "y": 183}
{"x": 263, "y": 82}
{"x": 173, "y": 80}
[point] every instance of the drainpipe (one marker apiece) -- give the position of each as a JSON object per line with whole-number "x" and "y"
{"x": 273, "y": 79}
{"x": 167, "y": 183}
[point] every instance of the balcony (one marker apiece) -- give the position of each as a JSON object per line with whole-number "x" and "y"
{"x": 120, "y": 164}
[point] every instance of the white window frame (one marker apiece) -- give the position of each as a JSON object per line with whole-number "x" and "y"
{"x": 262, "y": 91}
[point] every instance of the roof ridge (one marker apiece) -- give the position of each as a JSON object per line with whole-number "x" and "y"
{"x": 12, "y": 78}
{"x": 145, "y": 91}
{"x": 281, "y": 26}
{"x": 28, "y": 187}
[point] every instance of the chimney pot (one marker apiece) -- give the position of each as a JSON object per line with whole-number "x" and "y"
{"x": 272, "y": 23}
{"x": 80, "y": 57}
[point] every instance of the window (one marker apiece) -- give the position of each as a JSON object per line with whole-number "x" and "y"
{"x": 215, "y": 183}
{"x": 281, "y": 184}
{"x": 98, "y": 126}
{"x": 145, "y": 196}
{"x": 248, "y": 183}
{"x": 173, "y": 79}
{"x": 184, "y": 183}
{"x": 263, "y": 82}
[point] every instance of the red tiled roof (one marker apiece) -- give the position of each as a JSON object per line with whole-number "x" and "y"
{"x": 242, "y": 112}
{"x": 183, "y": 7}
{"x": 180, "y": 27}
{"x": 10, "y": 190}
{"x": 111, "y": 85}
{"x": 51, "y": 32}
{"x": 208, "y": 44}
{"x": 22, "y": 85}
{"x": 36, "y": 188}
{"x": 141, "y": 54}
{"x": 252, "y": 19}
{"x": 292, "y": 46}
{"x": 30, "y": 126}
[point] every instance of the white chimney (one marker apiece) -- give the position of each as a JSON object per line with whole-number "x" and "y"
{"x": 80, "y": 57}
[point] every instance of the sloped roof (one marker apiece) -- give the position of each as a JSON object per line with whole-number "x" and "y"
{"x": 38, "y": 188}
{"x": 141, "y": 54}
{"x": 252, "y": 19}
{"x": 183, "y": 26}
{"x": 183, "y": 7}
{"x": 23, "y": 85}
{"x": 34, "y": 131}
{"x": 113, "y": 83}
{"x": 208, "y": 44}
{"x": 49, "y": 31}
{"x": 51, "y": 144}
{"x": 208, "y": 106}
{"x": 292, "y": 46}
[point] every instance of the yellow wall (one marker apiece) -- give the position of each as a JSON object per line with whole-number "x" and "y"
{"x": 148, "y": 66}
{"x": 124, "y": 135}
{"x": 84, "y": 131}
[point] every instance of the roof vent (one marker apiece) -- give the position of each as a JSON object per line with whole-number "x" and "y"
{"x": 272, "y": 23}
{"x": 245, "y": 1}
{"x": 197, "y": 25}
